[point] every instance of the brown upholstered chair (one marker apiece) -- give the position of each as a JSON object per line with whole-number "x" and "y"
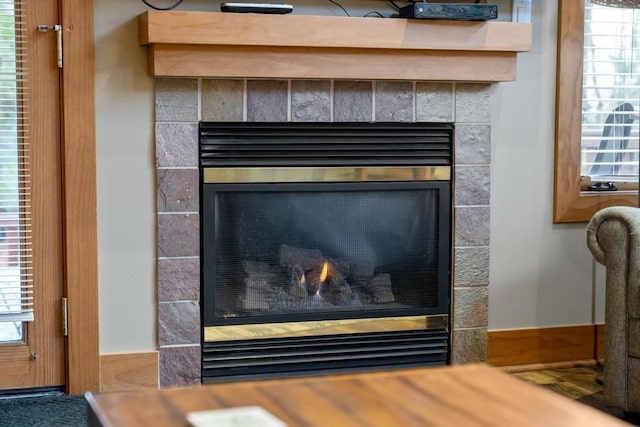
{"x": 613, "y": 236}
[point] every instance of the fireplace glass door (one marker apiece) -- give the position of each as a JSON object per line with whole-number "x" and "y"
{"x": 325, "y": 247}
{"x": 301, "y": 251}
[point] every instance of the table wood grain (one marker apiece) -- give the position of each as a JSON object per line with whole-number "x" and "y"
{"x": 467, "y": 395}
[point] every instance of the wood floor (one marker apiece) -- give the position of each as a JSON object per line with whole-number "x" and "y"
{"x": 577, "y": 383}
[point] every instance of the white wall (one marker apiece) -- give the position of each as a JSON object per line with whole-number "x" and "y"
{"x": 126, "y": 187}
{"x": 541, "y": 274}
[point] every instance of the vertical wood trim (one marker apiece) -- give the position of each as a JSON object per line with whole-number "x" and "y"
{"x": 568, "y": 106}
{"x": 129, "y": 371}
{"x": 600, "y": 331}
{"x": 44, "y": 335}
{"x": 79, "y": 184}
{"x": 569, "y": 204}
{"x": 541, "y": 345}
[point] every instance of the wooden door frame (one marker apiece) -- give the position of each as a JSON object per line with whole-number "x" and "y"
{"x": 79, "y": 194}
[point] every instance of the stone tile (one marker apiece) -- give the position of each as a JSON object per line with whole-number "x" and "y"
{"x": 178, "y": 323}
{"x": 177, "y": 145}
{"x": 434, "y": 102}
{"x": 469, "y": 346}
{"x": 472, "y": 226}
{"x": 222, "y": 100}
{"x": 472, "y": 185}
{"x": 310, "y": 101}
{"x": 352, "y": 101}
{"x": 470, "y": 307}
{"x": 394, "y": 101}
{"x": 179, "y": 366}
{"x": 267, "y": 100}
{"x": 176, "y": 100}
{"x": 473, "y": 144}
{"x": 473, "y": 102}
{"x": 178, "y": 190}
{"x": 178, "y": 279}
{"x": 471, "y": 266}
{"x": 178, "y": 235}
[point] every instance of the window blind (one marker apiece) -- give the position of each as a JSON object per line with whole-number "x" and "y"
{"x": 610, "y": 95}
{"x": 16, "y": 283}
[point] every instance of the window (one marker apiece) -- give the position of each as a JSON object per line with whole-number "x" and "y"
{"x": 593, "y": 140}
{"x": 610, "y": 95}
{"x": 16, "y": 294}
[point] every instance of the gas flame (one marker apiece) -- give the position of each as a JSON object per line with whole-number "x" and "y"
{"x": 324, "y": 273}
{"x": 323, "y": 276}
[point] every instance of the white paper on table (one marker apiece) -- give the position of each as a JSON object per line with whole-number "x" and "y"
{"x": 245, "y": 416}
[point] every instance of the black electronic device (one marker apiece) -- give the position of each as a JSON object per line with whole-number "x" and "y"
{"x": 271, "y": 8}
{"x": 459, "y": 11}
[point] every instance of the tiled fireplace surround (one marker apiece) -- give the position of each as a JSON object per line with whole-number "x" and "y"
{"x": 182, "y": 102}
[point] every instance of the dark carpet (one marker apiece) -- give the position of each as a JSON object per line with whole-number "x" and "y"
{"x": 45, "y": 411}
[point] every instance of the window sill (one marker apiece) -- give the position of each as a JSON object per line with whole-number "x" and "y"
{"x": 581, "y": 207}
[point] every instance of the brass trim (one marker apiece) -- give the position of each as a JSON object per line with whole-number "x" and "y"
{"x": 323, "y": 327}
{"x": 326, "y": 174}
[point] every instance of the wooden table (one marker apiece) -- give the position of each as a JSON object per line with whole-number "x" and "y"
{"x": 466, "y": 395}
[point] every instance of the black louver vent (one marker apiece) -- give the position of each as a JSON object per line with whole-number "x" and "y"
{"x": 325, "y": 144}
{"x": 236, "y": 360}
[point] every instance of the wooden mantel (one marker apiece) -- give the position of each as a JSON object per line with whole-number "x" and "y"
{"x": 229, "y": 45}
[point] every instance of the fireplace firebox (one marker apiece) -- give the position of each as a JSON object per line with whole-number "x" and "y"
{"x": 325, "y": 247}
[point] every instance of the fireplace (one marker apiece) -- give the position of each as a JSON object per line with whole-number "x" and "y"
{"x": 325, "y": 247}
{"x": 182, "y": 103}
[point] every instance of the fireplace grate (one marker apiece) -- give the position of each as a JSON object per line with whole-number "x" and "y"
{"x": 311, "y": 355}
{"x": 322, "y": 144}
